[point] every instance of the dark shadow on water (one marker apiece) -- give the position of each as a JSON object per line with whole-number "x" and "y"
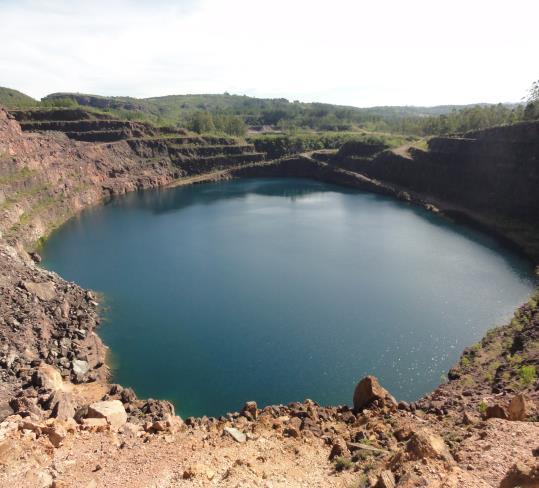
{"x": 166, "y": 200}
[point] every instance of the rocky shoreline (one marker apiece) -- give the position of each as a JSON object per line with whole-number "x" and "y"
{"x": 55, "y": 390}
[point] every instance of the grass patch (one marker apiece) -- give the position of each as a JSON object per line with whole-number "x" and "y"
{"x": 527, "y": 375}
{"x": 16, "y": 176}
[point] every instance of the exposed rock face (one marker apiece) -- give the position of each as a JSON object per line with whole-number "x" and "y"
{"x": 490, "y": 176}
{"x": 359, "y": 149}
{"x": 367, "y": 391}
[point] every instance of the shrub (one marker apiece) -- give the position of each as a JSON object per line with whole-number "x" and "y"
{"x": 342, "y": 463}
{"x": 465, "y": 361}
{"x": 527, "y": 374}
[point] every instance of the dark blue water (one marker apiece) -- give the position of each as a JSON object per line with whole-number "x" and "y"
{"x": 281, "y": 290}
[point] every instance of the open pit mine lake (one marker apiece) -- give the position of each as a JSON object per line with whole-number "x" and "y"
{"x": 283, "y": 289}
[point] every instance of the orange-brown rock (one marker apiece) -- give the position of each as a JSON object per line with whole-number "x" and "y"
{"x": 426, "y": 444}
{"x": 367, "y": 391}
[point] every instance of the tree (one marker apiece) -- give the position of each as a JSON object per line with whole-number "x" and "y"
{"x": 201, "y": 122}
{"x": 532, "y": 106}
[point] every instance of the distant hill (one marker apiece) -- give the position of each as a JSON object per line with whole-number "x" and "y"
{"x": 10, "y": 98}
{"x": 231, "y": 113}
{"x": 255, "y": 111}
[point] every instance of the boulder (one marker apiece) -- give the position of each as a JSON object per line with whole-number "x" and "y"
{"x": 426, "y": 444}
{"x": 519, "y": 408}
{"x": 48, "y": 377}
{"x": 132, "y": 430}
{"x": 35, "y": 257}
{"x": 524, "y": 474}
{"x": 496, "y": 412}
{"x": 386, "y": 480}
{"x": 369, "y": 390}
{"x": 469, "y": 418}
{"x": 80, "y": 367}
{"x": 339, "y": 449}
{"x": 26, "y": 406}
{"x": 62, "y": 405}
{"x": 8, "y": 426}
{"x": 310, "y": 425}
{"x": 5, "y": 410}
{"x": 157, "y": 409}
{"x": 44, "y": 291}
{"x": 111, "y": 410}
{"x": 56, "y": 434}
{"x": 128, "y": 395}
{"x": 235, "y": 434}
{"x": 250, "y": 410}
{"x": 293, "y": 427}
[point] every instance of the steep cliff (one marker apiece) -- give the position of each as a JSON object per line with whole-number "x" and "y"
{"x": 489, "y": 177}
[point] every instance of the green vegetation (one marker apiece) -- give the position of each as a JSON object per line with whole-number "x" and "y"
{"x": 342, "y": 463}
{"x": 278, "y": 145}
{"x": 532, "y": 102}
{"x": 514, "y": 359}
{"x": 361, "y": 482}
{"x": 16, "y": 176}
{"x": 457, "y": 121}
{"x": 231, "y": 114}
{"x": 527, "y": 374}
{"x": 482, "y": 407}
{"x": 194, "y": 110}
{"x": 206, "y": 122}
{"x": 10, "y": 98}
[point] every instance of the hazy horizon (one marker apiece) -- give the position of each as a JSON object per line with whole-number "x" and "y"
{"x": 347, "y": 53}
{"x": 269, "y": 98}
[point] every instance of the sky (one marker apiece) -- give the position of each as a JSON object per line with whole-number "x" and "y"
{"x": 350, "y": 52}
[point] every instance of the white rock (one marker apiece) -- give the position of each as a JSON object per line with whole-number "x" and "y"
{"x": 235, "y": 434}
{"x": 80, "y": 366}
{"x": 112, "y": 410}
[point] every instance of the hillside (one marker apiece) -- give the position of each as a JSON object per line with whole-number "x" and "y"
{"x": 232, "y": 114}
{"x": 179, "y": 109}
{"x": 10, "y": 98}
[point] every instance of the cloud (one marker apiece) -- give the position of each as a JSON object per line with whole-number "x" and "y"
{"x": 345, "y": 51}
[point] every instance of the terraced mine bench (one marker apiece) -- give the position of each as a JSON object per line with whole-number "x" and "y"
{"x": 193, "y": 154}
